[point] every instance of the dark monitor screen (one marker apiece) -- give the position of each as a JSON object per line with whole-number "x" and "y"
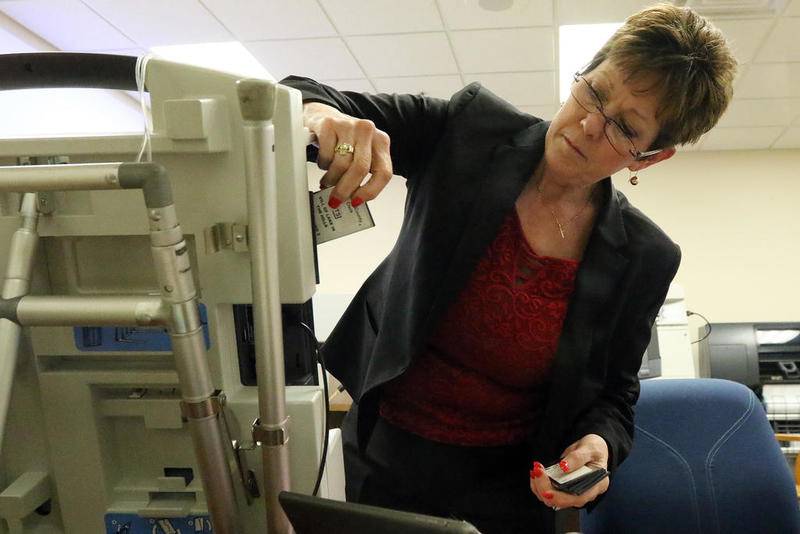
{"x": 313, "y": 515}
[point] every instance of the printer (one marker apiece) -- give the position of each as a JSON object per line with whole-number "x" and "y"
{"x": 764, "y": 357}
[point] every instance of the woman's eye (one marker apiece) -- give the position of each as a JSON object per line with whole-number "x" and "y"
{"x": 599, "y": 93}
{"x": 627, "y": 131}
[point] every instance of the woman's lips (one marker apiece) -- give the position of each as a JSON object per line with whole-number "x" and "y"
{"x": 576, "y": 149}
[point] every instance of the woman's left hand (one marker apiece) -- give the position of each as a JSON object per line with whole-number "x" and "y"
{"x": 591, "y": 449}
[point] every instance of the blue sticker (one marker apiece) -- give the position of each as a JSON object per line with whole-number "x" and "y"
{"x": 131, "y": 339}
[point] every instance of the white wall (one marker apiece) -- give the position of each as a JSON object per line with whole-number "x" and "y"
{"x": 735, "y": 214}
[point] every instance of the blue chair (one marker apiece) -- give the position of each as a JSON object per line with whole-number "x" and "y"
{"x": 705, "y": 461}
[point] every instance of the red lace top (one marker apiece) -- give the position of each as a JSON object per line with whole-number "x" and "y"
{"x": 483, "y": 376}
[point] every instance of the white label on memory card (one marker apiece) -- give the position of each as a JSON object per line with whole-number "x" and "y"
{"x": 331, "y": 224}
{"x": 555, "y": 472}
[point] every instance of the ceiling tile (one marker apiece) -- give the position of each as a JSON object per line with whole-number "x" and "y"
{"x": 790, "y": 139}
{"x": 543, "y": 112}
{"x": 761, "y": 112}
{"x": 775, "y": 80}
{"x": 504, "y": 50}
{"x": 11, "y": 43}
{"x": 159, "y": 22}
{"x": 744, "y": 36}
{"x": 520, "y": 88}
{"x": 583, "y": 12}
{"x": 357, "y": 17}
{"x": 322, "y": 59}
{"x": 257, "y": 20}
{"x": 358, "y": 85}
{"x": 124, "y": 51}
{"x": 781, "y": 45}
{"x": 469, "y": 15}
{"x": 436, "y": 86}
{"x": 66, "y": 24}
{"x": 404, "y": 55}
{"x": 793, "y": 10}
{"x": 741, "y": 138}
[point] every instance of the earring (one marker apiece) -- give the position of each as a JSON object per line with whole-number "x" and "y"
{"x": 633, "y": 178}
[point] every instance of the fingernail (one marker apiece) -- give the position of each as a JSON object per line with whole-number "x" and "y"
{"x": 563, "y": 465}
{"x": 547, "y": 495}
{"x": 536, "y": 472}
{"x": 356, "y": 202}
{"x": 334, "y": 202}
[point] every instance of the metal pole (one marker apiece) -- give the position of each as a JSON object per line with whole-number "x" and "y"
{"x": 70, "y": 177}
{"x": 16, "y": 284}
{"x": 199, "y": 406}
{"x": 92, "y": 311}
{"x": 257, "y": 100}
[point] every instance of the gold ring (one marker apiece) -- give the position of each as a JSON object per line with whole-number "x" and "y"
{"x": 344, "y": 149}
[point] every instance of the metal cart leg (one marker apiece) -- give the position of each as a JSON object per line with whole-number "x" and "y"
{"x": 16, "y": 284}
{"x": 257, "y": 102}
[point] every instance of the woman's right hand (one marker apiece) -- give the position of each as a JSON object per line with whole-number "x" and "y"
{"x": 346, "y": 169}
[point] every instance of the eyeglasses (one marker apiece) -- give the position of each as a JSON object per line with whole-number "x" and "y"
{"x": 587, "y": 98}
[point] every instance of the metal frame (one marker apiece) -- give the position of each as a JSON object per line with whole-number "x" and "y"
{"x": 257, "y": 103}
{"x": 176, "y": 308}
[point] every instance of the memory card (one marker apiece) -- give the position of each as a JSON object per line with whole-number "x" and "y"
{"x": 330, "y": 224}
{"x": 577, "y": 481}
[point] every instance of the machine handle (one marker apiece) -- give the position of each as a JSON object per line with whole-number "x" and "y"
{"x": 67, "y": 69}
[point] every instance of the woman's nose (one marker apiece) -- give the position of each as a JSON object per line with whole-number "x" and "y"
{"x": 593, "y": 124}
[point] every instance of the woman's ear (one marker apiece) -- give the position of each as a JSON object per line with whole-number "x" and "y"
{"x": 652, "y": 160}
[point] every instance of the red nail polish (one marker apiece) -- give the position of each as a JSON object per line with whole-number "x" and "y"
{"x": 537, "y": 471}
{"x": 334, "y": 202}
{"x": 547, "y": 495}
{"x": 533, "y": 473}
{"x": 356, "y": 202}
{"x": 563, "y": 465}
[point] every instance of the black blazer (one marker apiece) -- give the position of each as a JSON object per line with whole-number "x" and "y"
{"x": 466, "y": 161}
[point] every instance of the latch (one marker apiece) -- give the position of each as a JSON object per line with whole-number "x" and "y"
{"x": 246, "y": 475}
{"x": 226, "y": 236}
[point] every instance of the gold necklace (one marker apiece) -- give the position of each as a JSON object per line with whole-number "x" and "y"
{"x": 559, "y": 224}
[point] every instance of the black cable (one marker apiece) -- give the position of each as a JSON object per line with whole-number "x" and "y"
{"x": 708, "y": 325}
{"x": 321, "y": 361}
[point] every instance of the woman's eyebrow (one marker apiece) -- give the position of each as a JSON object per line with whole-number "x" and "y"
{"x": 609, "y": 88}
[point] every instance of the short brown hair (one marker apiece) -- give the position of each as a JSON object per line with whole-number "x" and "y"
{"x": 689, "y": 57}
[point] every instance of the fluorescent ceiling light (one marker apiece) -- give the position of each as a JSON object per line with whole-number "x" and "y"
{"x": 577, "y": 44}
{"x": 59, "y": 112}
{"x": 230, "y": 57}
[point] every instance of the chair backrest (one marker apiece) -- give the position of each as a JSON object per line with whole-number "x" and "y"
{"x": 704, "y": 460}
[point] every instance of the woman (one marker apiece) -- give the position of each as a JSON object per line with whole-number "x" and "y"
{"x": 505, "y": 329}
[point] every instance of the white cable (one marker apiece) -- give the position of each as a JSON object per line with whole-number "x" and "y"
{"x": 141, "y": 72}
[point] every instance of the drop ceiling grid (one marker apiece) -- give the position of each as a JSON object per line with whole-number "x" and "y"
{"x": 49, "y": 19}
{"x": 158, "y": 22}
{"x": 431, "y": 46}
{"x": 764, "y": 86}
{"x": 255, "y": 20}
